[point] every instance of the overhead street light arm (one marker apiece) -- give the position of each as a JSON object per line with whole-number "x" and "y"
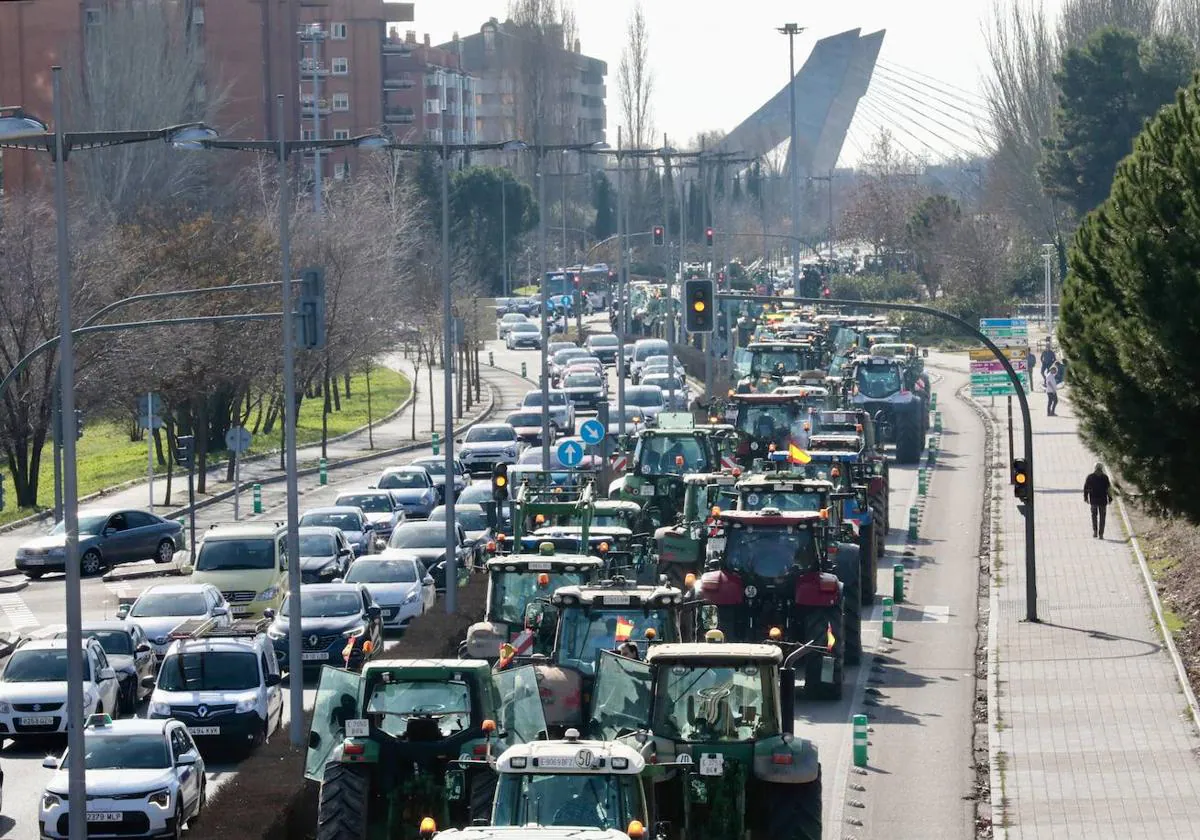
{"x": 45, "y": 141}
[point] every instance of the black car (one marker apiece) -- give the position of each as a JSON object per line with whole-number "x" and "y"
{"x": 325, "y": 554}
{"x": 130, "y": 655}
{"x": 586, "y": 389}
{"x": 106, "y": 538}
{"x": 436, "y": 467}
{"x": 341, "y": 626}
{"x": 426, "y": 541}
{"x": 603, "y": 347}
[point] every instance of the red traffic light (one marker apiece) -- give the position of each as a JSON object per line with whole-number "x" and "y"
{"x": 659, "y": 234}
{"x": 825, "y": 291}
{"x": 708, "y": 236}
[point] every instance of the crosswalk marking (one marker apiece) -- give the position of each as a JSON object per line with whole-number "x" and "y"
{"x": 17, "y": 612}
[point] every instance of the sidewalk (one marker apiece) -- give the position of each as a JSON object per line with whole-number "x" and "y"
{"x": 1090, "y": 732}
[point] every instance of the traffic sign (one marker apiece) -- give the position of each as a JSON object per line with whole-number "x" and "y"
{"x": 156, "y": 422}
{"x": 592, "y": 431}
{"x": 237, "y": 439}
{"x": 570, "y": 453}
{"x": 565, "y": 300}
{"x": 149, "y": 404}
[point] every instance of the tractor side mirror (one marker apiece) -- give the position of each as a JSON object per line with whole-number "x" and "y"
{"x": 787, "y": 696}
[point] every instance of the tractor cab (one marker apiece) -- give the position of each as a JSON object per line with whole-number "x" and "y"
{"x": 896, "y": 399}
{"x": 661, "y": 458}
{"x": 762, "y": 365}
{"x": 683, "y": 545}
{"x": 766, "y": 422}
{"x": 612, "y": 544}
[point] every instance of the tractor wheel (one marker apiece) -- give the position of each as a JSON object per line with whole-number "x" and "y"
{"x": 792, "y": 812}
{"x": 868, "y": 550}
{"x": 818, "y": 622}
{"x": 342, "y": 809}
{"x": 908, "y": 439}
{"x": 481, "y": 793}
{"x": 849, "y": 569}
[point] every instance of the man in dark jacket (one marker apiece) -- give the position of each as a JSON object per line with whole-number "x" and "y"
{"x": 1098, "y": 493}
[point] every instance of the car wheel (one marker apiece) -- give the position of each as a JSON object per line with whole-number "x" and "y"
{"x": 91, "y": 564}
{"x": 34, "y": 575}
{"x": 200, "y": 803}
{"x": 178, "y": 832}
{"x": 165, "y": 552}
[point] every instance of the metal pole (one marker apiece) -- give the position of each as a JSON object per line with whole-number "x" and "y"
{"x": 318, "y": 166}
{"x": 504, "y": 232}
{"x": 150, "y": 447}
{"x": 671, "y": 329}
{"x": 56, "y": 435}
{"x": 76, "y": 778}
{"x": 192, "y": 504}
{"x": 831, "y": 257}
{"x": 541, "y": 175}
{"x": 794, "y": 158}
{"x": 448, "y": 383}
{"x": 710, "y": 263}
{"x": 1046, "y": 258}
{"x": 370, "y": 422}
{"x": 666, "y": 201}
{"x": 621, "y": 302}
{"x": 237, "y": 486}
{"x": 1012, "y": 453}
{"x": 295, "y": 642}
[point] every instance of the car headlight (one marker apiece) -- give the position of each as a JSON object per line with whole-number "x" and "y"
{"x": 56, "y": 551}
{"x": 511, "y": 452}
{"x": 327, "y": 571}
{"x": 464, "y": 453}
{"x": 412, "y": 597}
{"x": 268, "y": 594}
{"x": 160, "y": 640}
{"x": 355, "y": 632}
{"x": 163, "y": 709}
{"x": 5, "y": 707}
{"x": 276, "y": 632}
{"x": 247, "y": 705}
{"x": 49, "y": 800}
{"x": 160, "y": 798}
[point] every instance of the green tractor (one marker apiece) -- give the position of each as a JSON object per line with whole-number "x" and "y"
{"x": 683, "y": 545}
{"x": 715, "y": 721}
{"x": 761, "y": 366}
{"x": 383, "y": 743}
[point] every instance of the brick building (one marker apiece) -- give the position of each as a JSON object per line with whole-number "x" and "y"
{"x": 426, "y": 91}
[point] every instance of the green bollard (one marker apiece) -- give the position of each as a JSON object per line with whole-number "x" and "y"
{"x": 922, "y": 481}
{"x": 258, "y": 498}
{"x": 898, "y": 583}
{"x": 937, "y": 421}
{"x": 323, "y": 472}
{"x": 888, "y": 627}
{"x": 913, "y": 518}
{"x": 491, "y": 358}
{"x": 860, "y": 740}
{"x": 933, "y": 402}
{"x": 523, "y": 371}
{"x": 437, "y": 444}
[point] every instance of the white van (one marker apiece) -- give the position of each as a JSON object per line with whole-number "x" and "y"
{"x": 643, "y": 349}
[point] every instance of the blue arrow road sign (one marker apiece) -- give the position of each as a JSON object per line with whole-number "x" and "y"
{"x": 592, "y": 432}
{"x": 570, "y": 453}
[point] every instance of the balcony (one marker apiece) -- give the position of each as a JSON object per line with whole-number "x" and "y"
{"x": 312, "y": 67}
{"x": 398, "y": 115}
{"x": 308, "y": 106}
{"x": 397, "y": 48}
{"x": 398, "y": 82}
{"x": 433, "y": 106}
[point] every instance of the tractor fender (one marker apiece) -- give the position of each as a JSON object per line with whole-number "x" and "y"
{"x": 721, "y": 589}
{"x": 876, "y": 486}
{"x": 849, "y": 563}
{"x": 771, "y": 762}
{"x": 561, "y": 691}
{"x": 616, "y": 488}
{"x": 818, "y": 589}
{"x": 484, "y": 639}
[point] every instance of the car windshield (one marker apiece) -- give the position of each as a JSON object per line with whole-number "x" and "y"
{"x": 160, "y": 604}
{"x": 37, "y": 666}
{"x": 490, "y": 434}
{"x": 570, "y": 353}
{"x": 87, "y": 525}
{"x": 877, "y": 381}
{"x": 769, "y": 552}
{"x": 644, "y": 397}
{"x": 583, "y": 635}
{"x": 113, "y": 641}
{"x": 317, "y": 545}
{"x": 212, "y": 670}
{"x": 408, "y": 480}
{"x": 524, "y": 419}
{"x": 603, "y": 341}
{"x": 780, "y": 361}
{"x": 418, "y": 536}
{"x": 372, "y": 570}
{"x": 433, "y": 466}
{"x": 369, "y": 502}
{"x": 447, "y": 702}
{"x": 730, "y": 702}
{"x": 222, "y": 555}
{"x": 512, "y": 591}
{"x": 471, "y": 518}
{"x": 525, "y": 328}
{"x": 661, "y": 454}
{"x": 341, "y": 521}
{"x": 326, "y": 604}
{"x": 665, "y": 382}
{"x": 535, "y": 398}
{"x": 579, "y": 800}
{"x": 123, "y": 752}
{"x": 583, "y": 380}
{"x": 784, "y": 500}
{"x": 645, "y": 351}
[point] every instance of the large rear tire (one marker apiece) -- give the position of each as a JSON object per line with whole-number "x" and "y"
{"x": 868, "y": 548}
{"x": 342, "y": 808}
{"x": 849, "y": 571}
{"x": 791, "y": 812}
{"x": 818, "y": 622}
{"x": 908, "y": 438}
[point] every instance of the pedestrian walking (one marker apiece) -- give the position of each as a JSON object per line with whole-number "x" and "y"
{"x": 1049, "y": 357}
{"x": 1030, "y": 364}
{"x": 1097, "y": 492}
{"x": 1051, "y": 382}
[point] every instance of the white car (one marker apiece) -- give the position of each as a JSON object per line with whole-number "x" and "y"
{"x": 162, "y": 608}
{"x": 488, "y": 444}
{"x": 33, "y": 687}
{"x": 399, "y": 584}
{"x": 523, "y": 335}
{"x": 505, "y": 324}
{"x": 145, "y": 778}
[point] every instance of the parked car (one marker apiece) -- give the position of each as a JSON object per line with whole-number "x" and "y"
{"x": 341, "y": 624}
{"x": 528, "y": 336}
{"x": 325, "y": 554}
{"x": 164, "y": 606}
{"x": 351, "y": 521}
{"x": 412, "y": 487}
{"x": 426, "y": 541}
{"x": 488, "y": 444}
{"x": 106, "y": 538}
{"x": 562, "y": 410}
{"x": 33, "y": 687}
{"x": 603, "y": 346}
{"x": 528, "y": 427}
{"x": 399, "y": 583}
{"x": 435, "y": 465}
{"x": 130, "y": 655}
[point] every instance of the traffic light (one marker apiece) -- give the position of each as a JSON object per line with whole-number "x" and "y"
{"x": 311, "y": 333}
{"x": 1020, "y": 478}
{"x": 708, "y": 237}
{"x": 660, "y": 234}
{"x": 500, "y": 483}
{"x": 698, "y": 296}
{"x": 826, "y": 292}
{"x": 184, "y": 450}
{"x": 574, "y": 278}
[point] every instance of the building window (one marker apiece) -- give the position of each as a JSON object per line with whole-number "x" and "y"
{"x": 337, "y": 31}
{"x": 341, "y": 171}
{"x": 341, "y": 102}
{"x": 341, "y": 66}
{"x": 307, "y": 134}
{"x": 341, "y": 134}
{"x": 93, "y": 17}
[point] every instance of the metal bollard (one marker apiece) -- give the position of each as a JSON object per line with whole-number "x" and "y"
{"x": 437, "y": 443}
{"x": 888, "y": 618}
{"x": 524, "y": 372}
{"x": 922, "y": 481}
{"x": 323, "y": 472}
{"x": 937, "y": 421}
{"x": 898, "y": 583}
{"x": 933, "y": 402}
{"x": 913, "y": 519}
{"x": 258, "y": 498}
{"x": 860, "y": 740}
{"x": 491, "y": 358}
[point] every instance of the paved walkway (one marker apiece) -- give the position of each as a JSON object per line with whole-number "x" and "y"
{"x": 1091, "y": 735}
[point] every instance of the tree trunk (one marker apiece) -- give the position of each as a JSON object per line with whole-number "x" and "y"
{"x": 200, "y": 439}
{"x": 170, "y": 430}
{"x": 458, "y": 382}
{"x": 415, "y": 380}
{"x": 346, "y": 378}
{"x": 332, "y": 388}
{"x": 478, "y": 377}
{"x": 329, "y": 386}
{"x": 432, "y": 420}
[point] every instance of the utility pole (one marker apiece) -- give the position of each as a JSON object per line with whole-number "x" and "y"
{"x": 1048, "y": 253}
{"x": 792, "y": 30}
{"x": 448, "y": 382}
{"x": 541, "y": 176}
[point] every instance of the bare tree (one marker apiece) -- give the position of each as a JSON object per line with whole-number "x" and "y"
{"x": 884, "y": 199}
{"x": 635, "y": 81}
{"x": 1080, "y": 18}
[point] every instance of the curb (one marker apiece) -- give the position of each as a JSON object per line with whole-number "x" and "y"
{"x": 1159, "y": 617}
{"x": 15, "y": 586}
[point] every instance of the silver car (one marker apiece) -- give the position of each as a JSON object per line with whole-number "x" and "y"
{"x": 398, "y": 582}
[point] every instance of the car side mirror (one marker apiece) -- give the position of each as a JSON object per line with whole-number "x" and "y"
{"x": 345, "y": 552}
{"x": 50, "y": 762}
{"x": 273, "y": 680}
{"x": 123, "y": 611}
{"x": 107, "y": 674}
{"x": 427, "y": 580}
{"x": 188, "y": 758}
{"x": 338, "y": 580}
{"x": 268, "y": 613}
{"x": 149, "y": 682}
{"x": 374, "y": 612}
{"x": 220, "y": 611}
{"x": 144, "y": 647}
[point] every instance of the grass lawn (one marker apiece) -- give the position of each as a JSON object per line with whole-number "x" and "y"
{"x": 107, "y": 457}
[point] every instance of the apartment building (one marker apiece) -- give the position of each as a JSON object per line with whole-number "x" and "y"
{"x": 426, "y": 93}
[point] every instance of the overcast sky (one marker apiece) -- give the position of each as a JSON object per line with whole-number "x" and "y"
{"x": 716, "y": 62}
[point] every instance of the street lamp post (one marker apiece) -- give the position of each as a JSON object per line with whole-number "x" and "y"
{"x": 18, "y": 131}
{"x": 792, "y": 30}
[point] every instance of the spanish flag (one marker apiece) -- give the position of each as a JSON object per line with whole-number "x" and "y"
{"x": 348, "y": 650}
{"x": 624, "y": 630}
{"x": 507, "y": 654}
{"x": 796, "y": 455}
{"x": 830, "y": 641}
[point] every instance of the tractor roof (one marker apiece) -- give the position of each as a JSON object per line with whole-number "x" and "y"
{"x": 571, "y": 756}
{"x": 531, "y": 832}
{"x": 428, "y": 668}
{"x": 609, "y": 506}
{"x": 617, "y": 594}
{"x": 544, "y": 563}
{"x": 785, "y": 481}
{"x": 709, "y": 478}
{"x": 774, "y": 397}
{"x": 771, "y": 516}
{"x": 702, "y": 651}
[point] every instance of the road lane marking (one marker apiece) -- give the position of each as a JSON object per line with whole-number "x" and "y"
{"x": 17, "y": 612}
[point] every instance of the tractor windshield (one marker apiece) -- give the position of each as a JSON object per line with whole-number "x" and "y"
{"x": 446, "y": 702}
{"x": 721, "y": 702}
{"x": 583, "y": 800}
{"x": 783, "y": 360}
{"x": 671, "y": 455}
{"x": 771, "y": 421}
{"x": 877, "y": 381}
{"x": 784, "y": 500}
{"x": 513, "y": 591}
{"x": 769, "y": 552}
{"x": 584, "y": 634}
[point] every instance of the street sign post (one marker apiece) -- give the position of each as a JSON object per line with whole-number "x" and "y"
{"x": 237, "y": 439}
{"x": 570, "y": 453}
{"x": 988, "y": 377}
{"x": 148, "y": 417}
{"x": 592, "y": 431}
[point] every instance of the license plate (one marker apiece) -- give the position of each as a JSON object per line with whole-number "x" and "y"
{"x": 315, "y": 656}
{"x": 104, "y": 816}
{"x": 240, "y": 612}
{"x": 204, "y": 730}
{"x": 35, "y": 721}
{"x": 358, "y": 728}
{"x": 646, "y": 490}
{"x": 35, "y": 561}
{"x": 617, "y": 600}
{"x": 712, "y": 764}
